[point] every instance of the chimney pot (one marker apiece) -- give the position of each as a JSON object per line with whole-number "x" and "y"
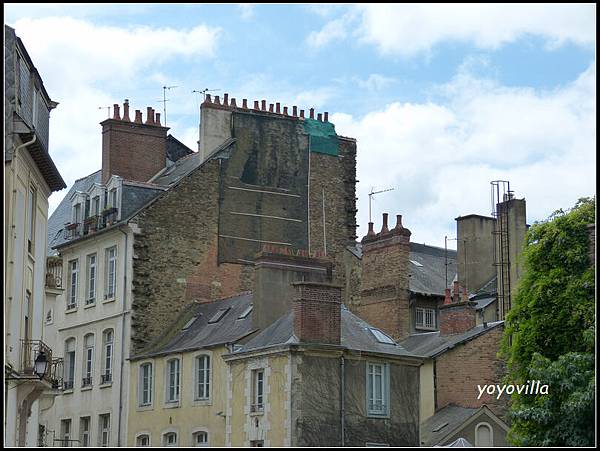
{"x": 295, "y": 111}
{"x": 126, "y": 111}
{"x": 217, "y": 100}
{"x": 456, "y": 292}
{"x": 278, "y": 107}
{"x": 208, "y": 99}
{"x": 150, "y": 116}
{"x": 465, "y": 295}
{"x": 245, "y": 104}
{"x": 138, "y": 117}
{"x": 271, "y": 107}
{"x": 263, "y": 105}
{"x": 256, "y": 107}
{"x": 302, "y": 113}
{"x": 320, "y": 117}
{"x": 157, "y": 119}
{"x": 233, "y": 105}
{"x": 326, "y": 116}
{"x": 398, "y": 222}
{"x": 312, "y": 113}
{"x": 384, "y": 228}
{"x": 226, "y": 99}
{"x": 285, "y": 111}
{"x": 116, "y": 115}
{"x": 371, "y": 232}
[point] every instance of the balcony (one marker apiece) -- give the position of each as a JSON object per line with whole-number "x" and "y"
{"x": 110, "y": 216}
{"x": 86, "y": 382}
{"x": 54, "y": 272}
{"x": 30, "y": 350}
{"x": 72, "y": 230}
{"x": 106, "y": 378}
{"x": 92, "y": 224}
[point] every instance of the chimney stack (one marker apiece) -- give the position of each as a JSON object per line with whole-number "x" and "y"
{"x": 317, "y": 312}
{"x": 245, "y": 104}
{"x": 116, "y": 115}
{"x": 326, "y": 116}
{"x": 126, "y": 111}
{"x": 312, "y": 113}
{"x": 149, "y": 116}
{"x": 456, "y": 294}
{"x": 384, "y": 227}
{"x": 457, "y": 318}
{"x": 447, "y": 297}
{"x": 226, "y": 99}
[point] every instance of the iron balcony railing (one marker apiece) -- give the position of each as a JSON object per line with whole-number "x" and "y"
{"x": 30, "y": 350}
{"x": 54, "y": 272}
{"x": 91, "y": 224}
{"x": 106, "y": 378}
{"x": 72, "y": 230}
{"x": 86, "y": 381}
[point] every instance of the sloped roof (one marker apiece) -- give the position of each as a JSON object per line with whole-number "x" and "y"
{"x": 199, "y": 333}
{"x": 431, "y": 344}
{"x": 435, "y": 428}
{"x": 355, "y": 335}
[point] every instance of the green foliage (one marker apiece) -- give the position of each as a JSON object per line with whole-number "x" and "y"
{"x": 549, "y": 331}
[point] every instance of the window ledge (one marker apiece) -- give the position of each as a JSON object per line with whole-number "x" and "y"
{"x": 86, "y": 388}
{"x": 71, "y": 310}
{"x": 105, "y": 385}
{"x": 145, "y": 408}
{"x": 108, "y": 300}
{"x": 68, "y": 392}
{"x": 380, "y": 416}
{"x": 257, "y": 414}
{"x": 171, "y": 405}
{"x": 91, "y": 304}
{"x": 202, "y": 402}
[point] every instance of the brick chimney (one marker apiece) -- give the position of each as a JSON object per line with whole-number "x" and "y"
{"x": 317, "y": 311}
{"x": 457, "y": 317}
{"x": 384, "y": 290}
{"x": 133, "y": 150}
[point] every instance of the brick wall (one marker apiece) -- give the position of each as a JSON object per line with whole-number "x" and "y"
{"x": 135, "y": 151}
{"x": 457, "y": 318}
{"x": 384, "y": 290}
{"x": 459, "y": 370}
{"x": 317, "y": 312}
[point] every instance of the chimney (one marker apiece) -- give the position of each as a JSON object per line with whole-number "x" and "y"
{"x": 126, "y": 111}
{"x": 274, "y": 274}
{"x": 278, "y": 107}
{"x": 245, "y": 104}
{"x": 312, "y": 113}
{"x": 285, "y": 111}
{"x": 233, "y": 105}
{"x": 217, "y": 100}
{"x": 263, "y": 104}
{"x": 447, "y": 297}
{"x": 317, "y": 312}
{"x": 456, "y": 294}
{"x": 157, "y": 119}
{"x": 326, "y": 116}
{"x": 133, "y": 150}
{"x": 116, "y": 115}
{"x": 226, "y": 99}
{"x": 320, "y": 117}
{"x": 384, "y": 288}
{"x": 271, "y": 107}
{"x": 302, "y": 113}
{"x": 457, "y": 318}
{"x": 256, "y": 107}
{"x": 465, "y": 295}
{"x": 295, "y": 111}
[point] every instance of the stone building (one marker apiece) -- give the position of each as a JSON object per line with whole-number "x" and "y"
{"x": 30, "y": 177}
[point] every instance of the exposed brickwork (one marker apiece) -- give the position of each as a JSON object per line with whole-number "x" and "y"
{"x": 457, "y": 318}
{"x": 384, "y": 291}
{"x": 132, "y": 150}
{"x": 317, "y": 312}
{"x": 459, "y": 371}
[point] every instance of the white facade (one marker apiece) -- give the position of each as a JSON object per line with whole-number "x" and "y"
{"x": 94, "y": 305}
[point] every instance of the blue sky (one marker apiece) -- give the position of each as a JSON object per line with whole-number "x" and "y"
{"x": 442, "y": 99}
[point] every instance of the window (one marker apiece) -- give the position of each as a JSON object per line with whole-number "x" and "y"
{"x": 111, "y": 272}
{"x": 377, "y": 389}
{"x": 200, "y": 438}
{"x": 69, "y": 371}
{"x": 142, "y": 440}
{"x": 84, "y": 431}
{"x": 65, "y": 432}
{"x": 91, "y": 282}
{"x": 425, "y": 318}
{"x": 113, "y": 198}
{"x": 173, "y": 380}
{"x": 246, "y": 312}
{"x": 49, "y": 317}
{"x": 217, "y": 316}
{"x": 258, "y": 380}
{"x": 88, "y": 359}
{"x": 73, "y": 284}
{"x": 77, "y": 214}
{"x": 95, "y": 206}
{"x": 31, "y": 222}
{"x": 257, "y": 443}
{"x": 107, "y": 346}
{"x": 484, "y": 435}
{"x": 27, "y": 311}
{"x": 145, "y": 384}
{"x": 203, "y": 377}
{"x": 104, "y": 430}
{"x": 381, "y": 337}
{"x": 170, "y": 439}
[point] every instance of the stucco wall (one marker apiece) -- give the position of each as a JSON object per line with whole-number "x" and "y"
{"x": 427, "y": 390}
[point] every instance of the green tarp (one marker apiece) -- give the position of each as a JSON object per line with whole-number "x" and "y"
{"x": 323, "y": 138}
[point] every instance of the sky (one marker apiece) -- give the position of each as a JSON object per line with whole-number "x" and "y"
{"x": 442, "y": 99}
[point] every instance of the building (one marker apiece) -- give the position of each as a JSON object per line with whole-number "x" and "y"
{"x": 160, "y": 227}
{"x": 30, "y": 177}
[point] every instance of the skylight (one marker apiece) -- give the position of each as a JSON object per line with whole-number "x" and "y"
{"x": 416, "y": 263}
{"x": 189, "y": 323}
{"x": 217, "y": 316}
{"x": 246, "y": 312}
{"x": 381, "y": 337}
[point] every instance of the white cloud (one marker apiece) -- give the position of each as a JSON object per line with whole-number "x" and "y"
{"x": 411, "y": 29}
{"x": 246, "y": 10}
{"x": 440, "y": 157}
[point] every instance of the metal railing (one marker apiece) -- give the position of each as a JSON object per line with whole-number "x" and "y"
{"x": 30, "y": 350}
{"x": 54, "y": 272}
{"x": 106, "y": 378}
{"x": 72, "y": 230}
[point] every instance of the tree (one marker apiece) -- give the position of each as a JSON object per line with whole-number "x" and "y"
{"x": 549, "y": 333}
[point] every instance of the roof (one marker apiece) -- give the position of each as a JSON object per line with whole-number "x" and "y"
{"x": 430, "y": 278}
{"x": 202, "y": 334}
{"x": 490, "y": 289}
{"x": 483, "y": 302}
{"x": 355, "y": 335}
{"x": 176, "y": 149}
{"x": 435, "y": 428}
{"x": 431, "y": 344}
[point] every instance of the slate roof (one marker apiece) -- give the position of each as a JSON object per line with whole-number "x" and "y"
{"x": 354, "y": 335}
{"x": 431, "y": 344}
{"x": 435, "y": 428}
{"x": 200, "y": 334}
{"x": 176, "y": 149}
{"x": 429, "y": 279}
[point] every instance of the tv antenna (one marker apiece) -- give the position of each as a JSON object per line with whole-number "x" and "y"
{"x": 372, "y": 193}
{"x": 204, "y": 91}
{"x": 165, "y": 100}
{"x": 107, "y": 110}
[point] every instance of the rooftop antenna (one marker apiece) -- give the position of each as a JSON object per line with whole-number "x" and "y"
{"x": 371, "y": 196}
{"x": 165, "y": 100}
{"x": 107, "y": 110}
{"x": 204, "y": 91}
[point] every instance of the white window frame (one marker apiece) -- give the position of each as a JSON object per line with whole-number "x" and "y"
{"x": 111, "y": 273}
{"x": 422, "y": 315}
{"x": 108, "y": 353}
{"x": 371, "y": 385}
{"x": 92, "y": 277}
{"x": 88, "y": 358}
{"x": 31, "y": 223}
{"x": 139, "y": 435}
{"x": 141, "y": 384}
{"x": 202, "y": 378}
{"x": 196, "y": 433}
{"x": 102, "y": 430}
{"x": 490, "y": 428}
{"x": 176, "y": 384}
{"x": 70, "y": 361}
{"x": 167, "y": 433}
{"x": 73, "y": 284}
{"x": 65, "y": 432}
{"x": 258, "y": 390}
{"x": 83, "y": 432}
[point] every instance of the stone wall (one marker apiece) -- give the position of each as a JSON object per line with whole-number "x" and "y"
{"x": 459, "y": 370}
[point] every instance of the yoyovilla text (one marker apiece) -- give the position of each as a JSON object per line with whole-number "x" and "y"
{"x": 530, "y": 388}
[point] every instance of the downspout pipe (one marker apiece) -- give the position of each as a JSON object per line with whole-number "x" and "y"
{"x": 28, "y": 143}
{"x": 342, "y": 400}
{"x": 122, "y": 337}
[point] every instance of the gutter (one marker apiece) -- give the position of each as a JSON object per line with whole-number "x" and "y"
{"x": 122, "y": 337}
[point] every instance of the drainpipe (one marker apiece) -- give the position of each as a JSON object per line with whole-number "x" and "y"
{"x": 122, "y": 337}
{"x": 25, "y": 144}
{"x": 343, "y": 394}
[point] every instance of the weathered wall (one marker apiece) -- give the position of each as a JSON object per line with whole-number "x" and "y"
{"x": 461, "y": 369}
{"x": 426, "y": 391}
{"x": 475, "y": 251}
{"x": 316, "y": 409}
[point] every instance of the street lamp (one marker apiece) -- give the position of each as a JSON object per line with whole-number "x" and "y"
{"x": 40, "y": 365}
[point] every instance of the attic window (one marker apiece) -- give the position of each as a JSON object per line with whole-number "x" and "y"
{"x": 440, "y": 427}
{"x": 217, "y": 316}
{"x": 190, "y": 322}
{"x": 416, "y": 263}
{"x": 246, "y": 312}
{"x": 381, "y": 337}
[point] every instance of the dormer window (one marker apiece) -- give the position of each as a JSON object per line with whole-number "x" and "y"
{"x": 95, "y": 206}
{"x": 77, "y": 213}
{"x": 112, "y": 198}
